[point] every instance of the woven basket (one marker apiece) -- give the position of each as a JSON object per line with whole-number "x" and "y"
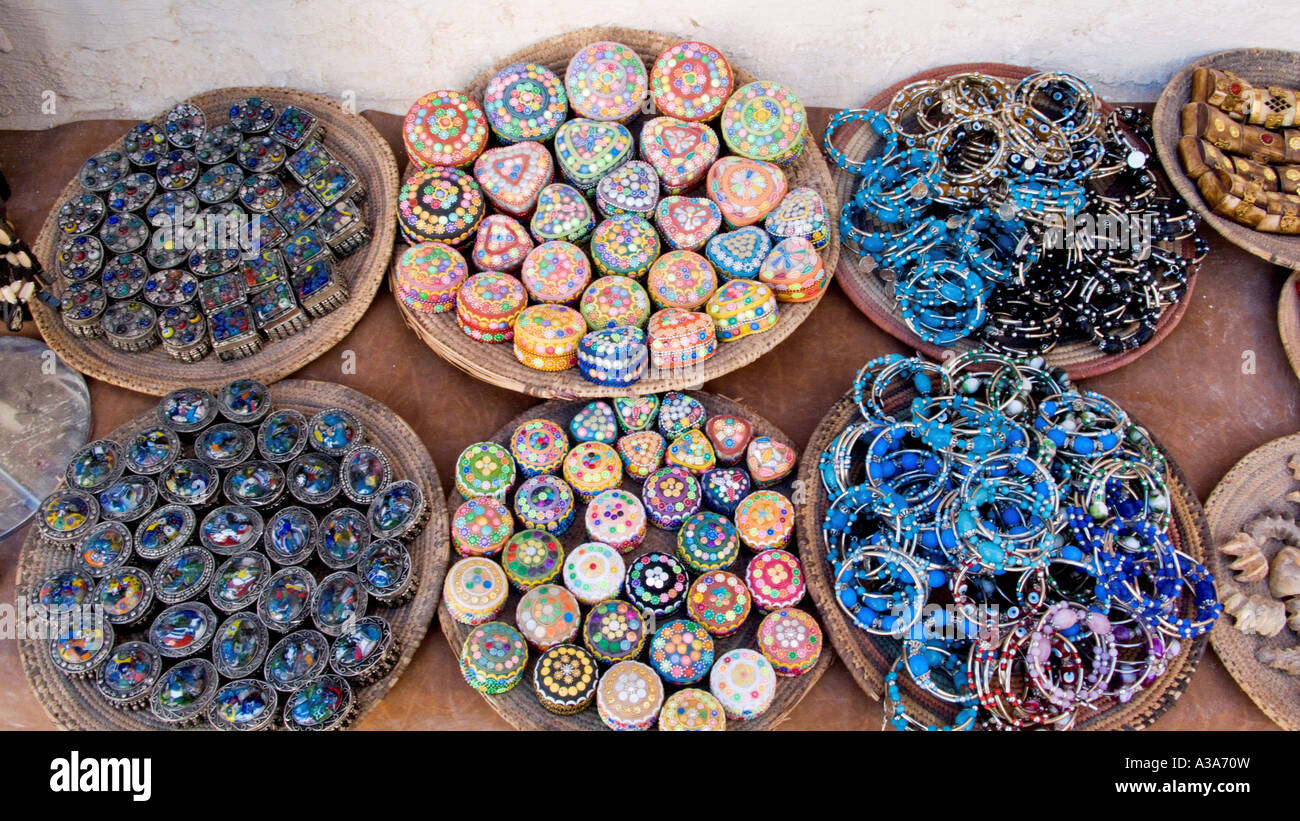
{"x": 363, "y": 150}
{"x": 74, "y": 704}
{"x": 869, "y": 658}
{"x": 1258, "y": 66}
{"x": 875, "y": 297}
{"x": 1255, "y": 485}
{"x": 496, "y": 363}
{"x": 1288, "y": 320}
{"x": 519, "y": 706}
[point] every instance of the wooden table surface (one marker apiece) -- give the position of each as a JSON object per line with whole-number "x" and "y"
{"x": 1193, "y": 391}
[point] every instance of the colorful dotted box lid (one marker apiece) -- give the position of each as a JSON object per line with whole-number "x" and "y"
{"x": 615, "y": 301}
{"x": 671, "y": 494}
{"x": 739, "y": 254}
{"x": 745, "y": 190}
{"x": 793, "y": 269}
{"x": 673, "y": 329}
{"x": 656, "y": 582}
{"x": 630, "y": 695}
{"x": 742, "y": 307}
{"x": 592, "y": 467}
{"x": 614, "y": 630}
{"x": 430, "y": 274}
{"x": 693, "y": 451}
{"x": 681, "y": 279}
{"x": 595, "y": 423}
{"x": 525, "y": 101}
{"x": 556, "y": 271}
{"x": 545, "y": 502}
{"x": 494, "y": 652}
{"x": 563, "y": 213}
{"x": 692, "y": 709}
{"x": 485, "y": 469}
{"x": 548, "y": 615}
{"x": 482, "y": 526}
{"x": 606, "y": 81}
{"x": 636, "y": 412}
{"x": 743, "y": 682}
{"x": 642, "y": 452}
{"x": 775, "y": 577}
{"x": 625, "y": 245}
{"x": 681, "y": 652}
{"x": 681, "y": 152}
{"x": 492, "y": 296}
{"x": 791, "y": 639}
{"x": 566, "y": 677}
{"x": 615, "y": 517}
{"x": 513, "y": 176}
{"x": 444, "y": 128}
{"x": 679, "y": 413}
{"x": 708, "y": 541}
{"x": 765, "y": 520}
{"x": 593, "y": 572}
{"x": 476, "y": 587}
{"x": 764, "y": 121}
{"x": 532, "y": 557}
{"x": 440, "y": 204}
{"x": 549, "y": 330}
{"x": 588, "y": 150}
{"x": 539, "y": 446}
{"x": 691, "y": 81}
{"x": 802, "y": 213}
{"x": 501, "y": 244}
{"x": 719, "y": 601}
{"x": 631, "y": 190}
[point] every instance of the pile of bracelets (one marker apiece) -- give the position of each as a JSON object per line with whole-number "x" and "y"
{"x": 1018, "y": 216}
{"x": 1009, "y": 532}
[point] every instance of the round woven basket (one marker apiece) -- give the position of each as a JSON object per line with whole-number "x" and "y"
{"x": 875, "y": 297}
{"x": 364, "y": 151}
{"x": 1288, "y": 320}
{"x": 520, "y": 707}
{"x": 496, "y": 363}
{"x": 74, "y": 704}
{"x": 1259, "y": 66}
{"x": 869, "y": 658}
{"x": 1255, "y": 486}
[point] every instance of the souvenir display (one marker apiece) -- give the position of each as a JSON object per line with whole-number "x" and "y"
{"x": 568, "y": 205}
{"x": 192, "y": 559}
{"x": 647, "y": 586}
{"x": 197, "y": 254}
{"x": 1027, "y": 218}
{"x": 1049, "y": 519}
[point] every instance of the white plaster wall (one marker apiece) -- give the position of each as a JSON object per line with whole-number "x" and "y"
{"x": 135, "y": 57}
